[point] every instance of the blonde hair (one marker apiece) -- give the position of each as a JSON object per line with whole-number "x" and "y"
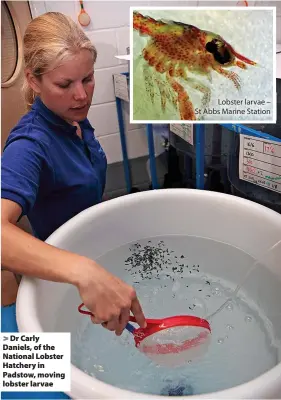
{"x": 48, "y": 39}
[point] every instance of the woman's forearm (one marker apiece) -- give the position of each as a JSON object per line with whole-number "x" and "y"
{"x": 23, "y": 254}
{"x": 109, "y": 299}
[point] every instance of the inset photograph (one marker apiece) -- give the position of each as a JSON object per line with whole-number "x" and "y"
{"x": 195, "y": 64}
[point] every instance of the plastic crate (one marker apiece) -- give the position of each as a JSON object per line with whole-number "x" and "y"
{"x": 245, "y": 189}
{"x": 216, "y": 151}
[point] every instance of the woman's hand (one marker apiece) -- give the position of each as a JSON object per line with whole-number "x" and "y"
{"x": 108, "y": 298}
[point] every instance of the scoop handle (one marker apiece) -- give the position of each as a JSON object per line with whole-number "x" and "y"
{"x": 148, "y": 321}
{"x": 129, "y": 327}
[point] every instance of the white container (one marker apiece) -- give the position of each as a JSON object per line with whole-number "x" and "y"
{"x": 41, "y": 305}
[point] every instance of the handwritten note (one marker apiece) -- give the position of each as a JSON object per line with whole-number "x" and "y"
{"x": 121, "y": 86}
{"x": 185, "y": 131}
{"x": 260, "y": 162}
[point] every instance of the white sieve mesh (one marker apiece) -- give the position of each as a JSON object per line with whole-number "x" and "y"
{"x": 176, "y": 346}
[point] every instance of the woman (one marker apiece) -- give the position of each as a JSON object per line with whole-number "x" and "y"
{"x": 53, "y": 168}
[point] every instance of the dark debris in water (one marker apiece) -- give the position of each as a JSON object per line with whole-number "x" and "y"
{"x": 148, "y": 261}
{"x": 152, "y": 261}
{"x": 180, "y": 389}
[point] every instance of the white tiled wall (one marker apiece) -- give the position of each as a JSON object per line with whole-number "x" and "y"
{"x": 109, "y": 31}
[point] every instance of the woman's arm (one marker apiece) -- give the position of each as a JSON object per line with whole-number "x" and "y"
{"x": 107, "y": 297}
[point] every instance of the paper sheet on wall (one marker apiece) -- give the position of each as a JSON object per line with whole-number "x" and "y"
{"x": 260, "y": 162}
{"x": 185, "y": 131}
{"x": 121, "y": 86}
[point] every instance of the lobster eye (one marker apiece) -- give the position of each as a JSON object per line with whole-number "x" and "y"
{"x": 219, "y": 50}
{"x": 211, "y": 47}
{"x": 222, "y": 56}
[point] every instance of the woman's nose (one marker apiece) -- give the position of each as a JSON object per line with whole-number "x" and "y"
{"x": 80, "y": 93}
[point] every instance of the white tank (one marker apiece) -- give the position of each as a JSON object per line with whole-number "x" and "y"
{"x": 235, "y": 221}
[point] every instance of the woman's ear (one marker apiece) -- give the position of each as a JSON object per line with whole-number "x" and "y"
{"x": 33, "y": 81}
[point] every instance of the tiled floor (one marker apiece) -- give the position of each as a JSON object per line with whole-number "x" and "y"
{"x": 9, "y": 288}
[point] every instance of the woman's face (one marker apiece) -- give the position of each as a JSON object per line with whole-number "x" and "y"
{"x": 68, "y": 89}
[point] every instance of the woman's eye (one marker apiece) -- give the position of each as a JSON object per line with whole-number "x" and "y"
{"x": 63, "y": 86}
{"x": 88, "y": 79}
